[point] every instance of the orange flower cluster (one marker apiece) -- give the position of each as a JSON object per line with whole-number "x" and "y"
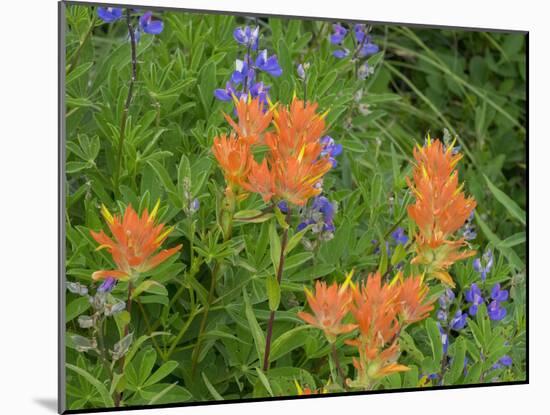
{"x": 441, "y": 208}
{"x": 134, "y": 243}
{"x": 379, "y": 311}
{"x": 293, "y": 166}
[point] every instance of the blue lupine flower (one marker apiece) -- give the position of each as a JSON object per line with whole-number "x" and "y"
{"x": 340, "y": 53}
{"x": 247, "y": 36}
{"x": 474, "y": 297}
{"x": 243, "y": 72}
{"x": 195, "y": 205}
{"x": 399, "y": 236}
{"x": 338, "y": 34}
{"x": 323, "y": 205}
{"x": 504, "y": 361}
{"x": 368, "y": 49}
{"x": 499, "y": 295}
{"x": 444, "y": 338}
{"x": 301, "y": 71}
{"x": 484, "y": 264}
{"x": 359, "y": 31}
{"x": 330, "y": 149}
{"x": 283, "y": 206}
{"x": 150, "y": 26}
{"x": 269, "y": 64}
{"x": 259, "y": 89}
{"x": 109, "y": 14}
{"x": 107, "y": 285}
{"x": 225, "y": 94}
{"x": 459, "y": 320}
{"x": 321, "y": 215}
{"x": 496, "y": 311}
{"x": 447, "y": 298}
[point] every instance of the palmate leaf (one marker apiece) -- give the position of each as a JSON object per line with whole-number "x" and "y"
{"x": 98, "y": 385}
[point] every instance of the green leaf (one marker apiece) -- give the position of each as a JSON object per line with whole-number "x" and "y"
{"x": 150, "y": 286}
{"x": 435, "y": 339}
{"x": 99, "y": 387}
{"x": 257, "y": 333}
{"x": 137, "y": 344}
{"x": 457, "y": 365}
{"x": 215, "y": 394}
{"x": 288, "y": 341}
{"x": 507, "y": 202}
{"x": 265, "y": 381}
{"x": 273, "y": 292}
{"x": 148, "y": 359}
{"x": 274, "y": 246}
{"x": 509, "y": 253}
{"x": 76, "y": 308}
{"x": 295, "y": 239}
{"x": 161, "y": 373}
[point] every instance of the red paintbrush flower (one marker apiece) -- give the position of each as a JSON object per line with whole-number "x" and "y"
{"x": 134, "y": 244}
{"x": 411, "y": 299}
{"x": 252, "y": 119}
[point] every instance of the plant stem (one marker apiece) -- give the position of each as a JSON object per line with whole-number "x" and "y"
{"x": 269, "y": 331}
{"x": 211, "y": 292}
{"x": 336, "y": 361}
{"x": 124, "y": 116}
{"x": 76, "y": 54}
{"x": 149, "y": 327}
{"x": 118, "y": 397}
{"x": 202, "y": 327}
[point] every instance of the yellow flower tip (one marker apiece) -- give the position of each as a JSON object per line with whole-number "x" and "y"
{"x": 235, "y": 99}
{"x": 164, "y": 234}
{"x": 294, "y": 95}
{"x": 348, "y": 281}
{"x": 398, "y": 277}
{"x": 100, "y": 247}
{"x": 324, "y": 114}
{"x": 308, "y": 292}
{"x": 154, "y": 211}
{"x": 302, "y": 152}
{"x": 298, "y": 387}
{"x": 106, "y": 214}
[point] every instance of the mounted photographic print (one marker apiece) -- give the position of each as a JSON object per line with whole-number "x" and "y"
{"x": 260, "y": 207}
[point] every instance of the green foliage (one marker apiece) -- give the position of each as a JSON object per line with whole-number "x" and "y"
{"x": 443, "y": 82}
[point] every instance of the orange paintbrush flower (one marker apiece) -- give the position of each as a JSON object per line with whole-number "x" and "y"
{"x": 252, "y": 119}
{"x": 261, "y": 180}
{"x": 134, "y": 243}
{"x": 441, "y": 208}
{"x": 411, "y": 299}
{"x": 234, "y": 157}
{"x": 330, "y": 304}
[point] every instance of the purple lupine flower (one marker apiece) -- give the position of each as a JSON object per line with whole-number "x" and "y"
{"x": 504, "y": 361}
{"x": 474, "y": 297}
{"x": 269, "y": 64}
{"x": 247, "y": 36}
{"x": 150, "y": 25}
{"x": 301, "y": 71}
{"x": 444, "y": 338}
{"x": 459, "y": 320}
{"x": 242, "y": 72}
{"x": 338, "y": 34}
{"x": 107, "y": 285}
{"x": 340, "y": 53}
{"x": 367, "y": 49}
{"x": 484, "y": 264}
{"x": 496, "y": 311}
{"x": 330, "y": 149}
{"x": 109, "y": 14}
{"x": 283, "y": 206}
{"x": 447, "y": 298}
{"x": 359, "y": 31}
{"x": 399, "y": 236}
{"x": 499, "y": 295}
{"x": 259, "y": 89}
{"x": 225, "y": 94}
{"x": 195, "y": 206}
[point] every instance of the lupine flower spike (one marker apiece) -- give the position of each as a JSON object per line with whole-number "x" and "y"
{"x": 134, "y": 243}
{"x": 441, "y": 208}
